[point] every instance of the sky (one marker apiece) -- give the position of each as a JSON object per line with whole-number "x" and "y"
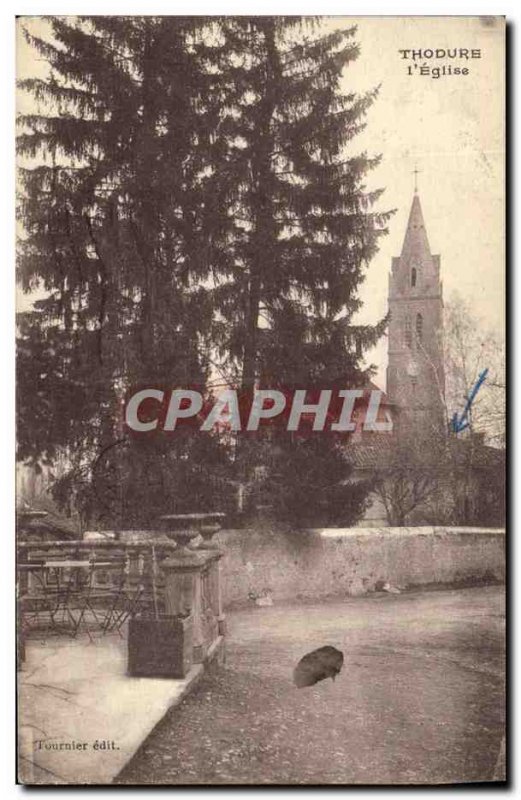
{"x": 451, "y": 129}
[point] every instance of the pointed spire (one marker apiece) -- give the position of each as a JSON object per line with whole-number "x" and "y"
{"x": 416, "y": 244}
{"x": 416, "y": 172}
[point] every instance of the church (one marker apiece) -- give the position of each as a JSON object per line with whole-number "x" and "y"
{"x": 419, "y": 473}
{"x": 436, "y": 477}
{"x": 415, "y": 373}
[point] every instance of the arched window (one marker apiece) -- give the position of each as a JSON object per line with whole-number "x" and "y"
{"x": 419, "y": 327}
{"x": 414, "y": 275}
{"x": 407, "y": 336}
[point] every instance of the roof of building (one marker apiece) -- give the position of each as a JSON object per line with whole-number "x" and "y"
{"x": 371, "y": 453}
{"x": 385, "y": 399}
{"x": 375, "y": 451}
{"x": 482, "y": 455}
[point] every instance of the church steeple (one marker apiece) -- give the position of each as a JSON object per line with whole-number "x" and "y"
{"x": 415, "y": 375}
{"x": 415, "y": 243}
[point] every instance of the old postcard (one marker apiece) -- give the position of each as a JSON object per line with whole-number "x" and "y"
{"x": 261, "y": 400}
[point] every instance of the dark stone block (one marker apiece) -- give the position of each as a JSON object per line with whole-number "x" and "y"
{"x": 160, "y": 648}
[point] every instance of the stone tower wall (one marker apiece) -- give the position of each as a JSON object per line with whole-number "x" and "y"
{"x": 415, "y": 375}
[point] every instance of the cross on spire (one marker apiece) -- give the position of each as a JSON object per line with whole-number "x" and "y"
{"x": 416, "y": 172}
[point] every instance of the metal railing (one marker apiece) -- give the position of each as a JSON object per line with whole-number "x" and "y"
{"x": 91, "y": 587}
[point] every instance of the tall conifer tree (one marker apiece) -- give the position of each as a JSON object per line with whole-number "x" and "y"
{"x": 305, "y": 228}
{"x": 199, "y": 196}
{"x": 117, "y": 234}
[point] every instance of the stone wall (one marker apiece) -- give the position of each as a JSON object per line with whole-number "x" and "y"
{"x": 334, "y": 562}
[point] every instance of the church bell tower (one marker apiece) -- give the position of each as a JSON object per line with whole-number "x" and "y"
{"x": 415, "y": 374}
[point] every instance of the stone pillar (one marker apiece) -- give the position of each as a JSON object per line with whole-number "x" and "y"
{"x": 215, "y": 577}
{"x": 192, "y": 577}
{"x": 221, "y": 617}
{"x": 216, "y": 582}
{"x": 199, "y": 639}
{"x": 182, "y": 593}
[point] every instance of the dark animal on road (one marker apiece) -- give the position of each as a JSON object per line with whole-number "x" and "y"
{"x": 326, "y": 662}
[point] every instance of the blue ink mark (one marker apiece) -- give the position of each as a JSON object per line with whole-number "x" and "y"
{"x": 459, "y": 424}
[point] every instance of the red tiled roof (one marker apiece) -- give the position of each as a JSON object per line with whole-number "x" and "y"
{"x": 376, "y": 451}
